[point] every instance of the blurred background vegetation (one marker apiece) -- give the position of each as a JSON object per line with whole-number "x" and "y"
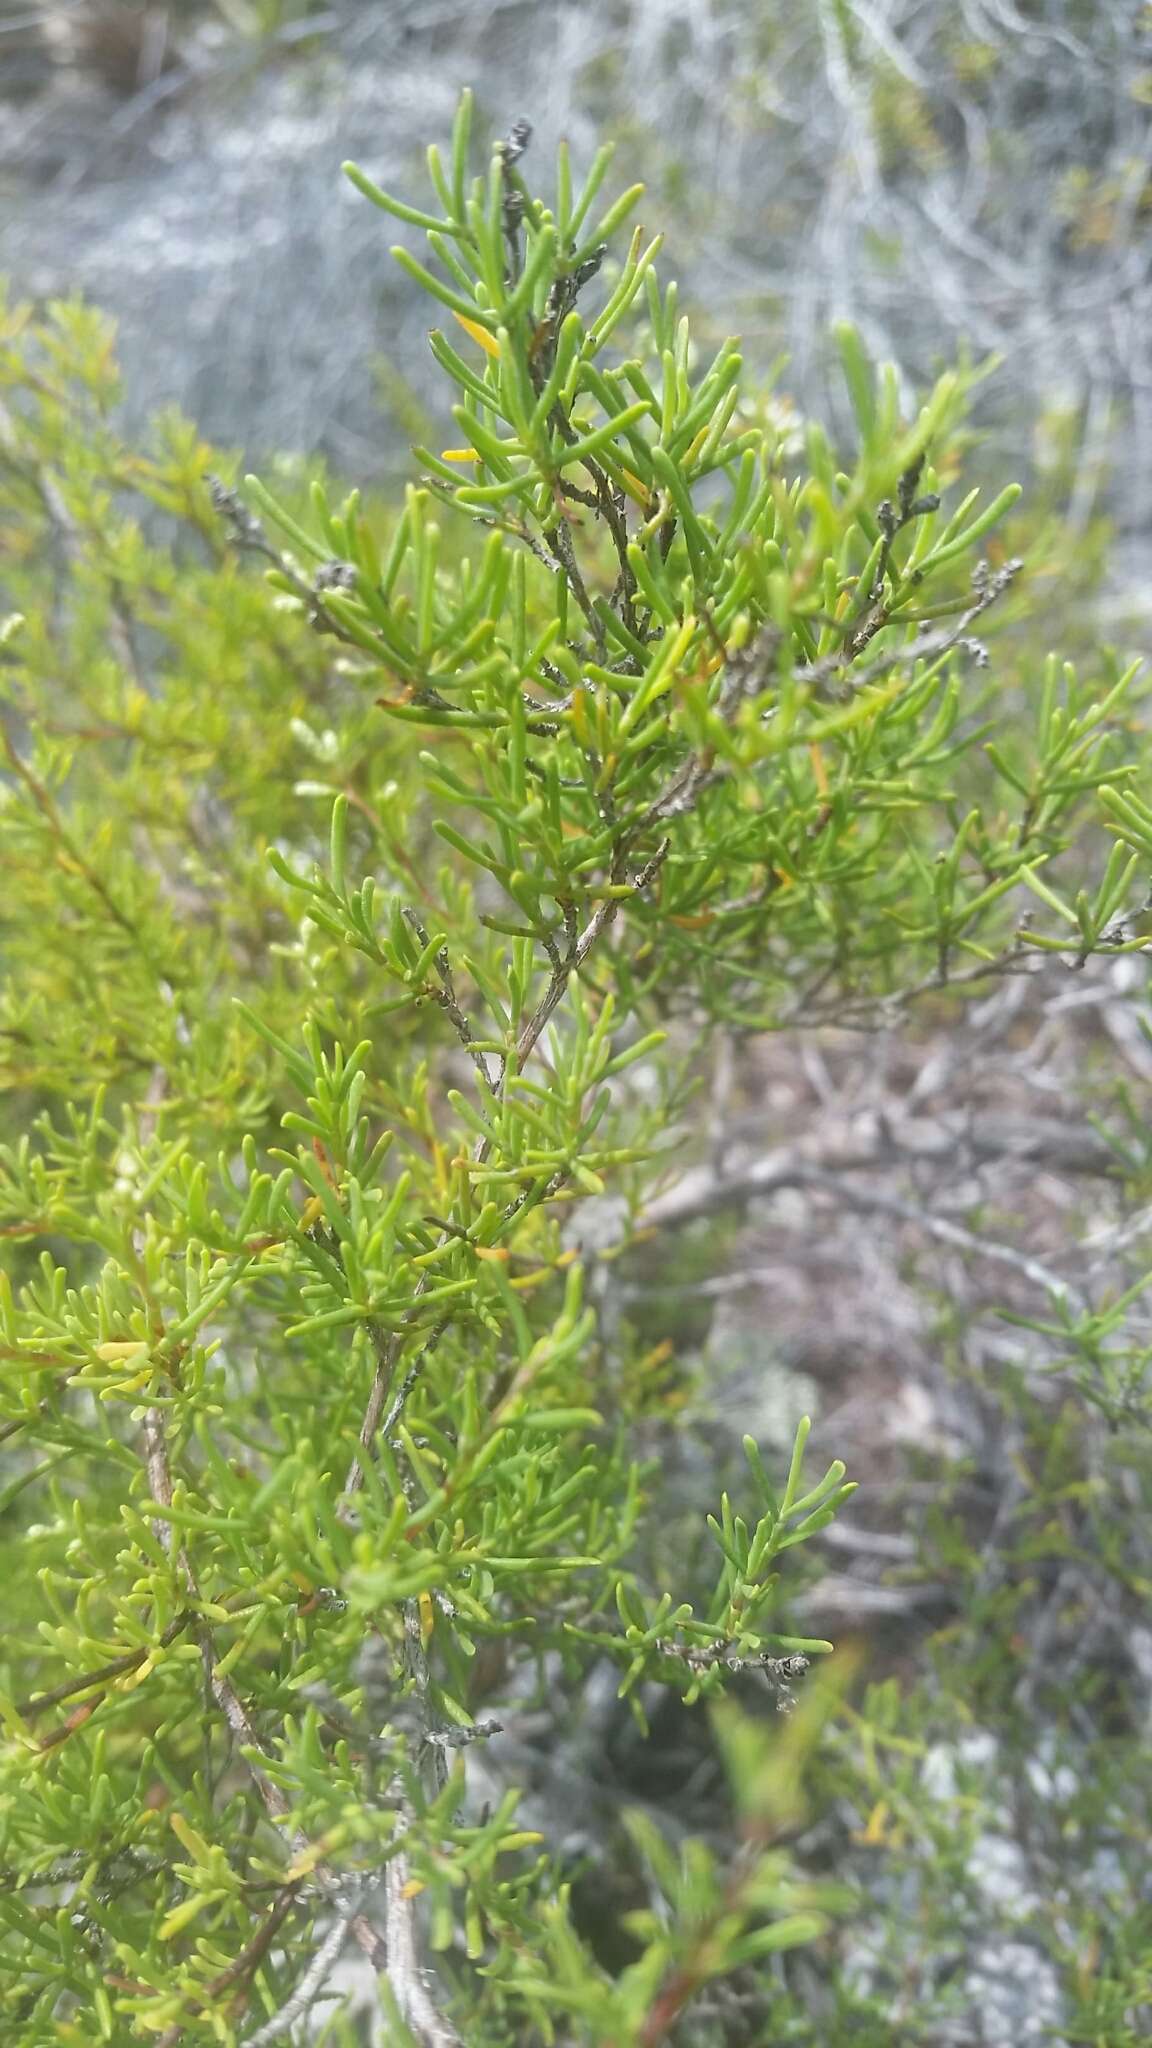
{"x": 978, "y": 174}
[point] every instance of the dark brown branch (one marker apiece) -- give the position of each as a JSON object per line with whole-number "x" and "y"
{"x": 243, "y": 1966}
{"x": 39, "y": 1702}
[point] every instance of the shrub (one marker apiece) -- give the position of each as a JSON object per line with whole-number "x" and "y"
{"x": 620, "y": 732}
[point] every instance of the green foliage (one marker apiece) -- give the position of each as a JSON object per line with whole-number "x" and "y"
{"x": 346, "y": 914}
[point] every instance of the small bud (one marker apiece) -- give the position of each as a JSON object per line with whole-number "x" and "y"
{"x": 335, "y": 576}
{"x": 587, "y": 270}
{"x": 516, "y": 142}
{"x": 232, "y": 509}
